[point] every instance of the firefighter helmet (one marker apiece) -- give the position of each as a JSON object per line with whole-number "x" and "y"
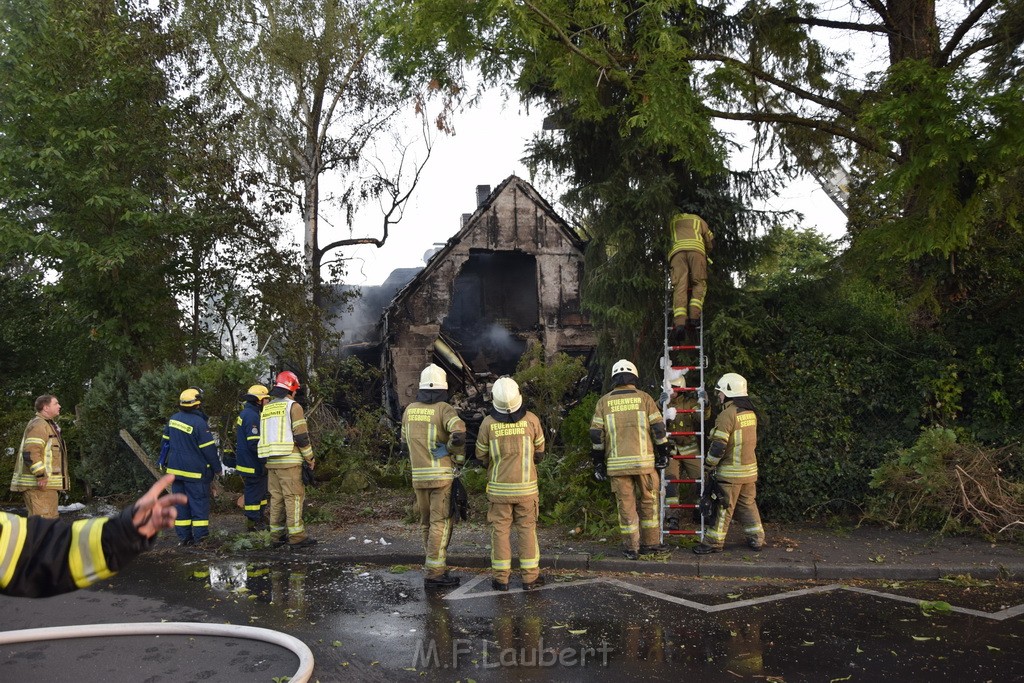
{"x": 624, "y": 366}
{"x": 191, "y": 397}
{"x": 505, "y": 396}
{"x": 287, "y": 380}
{"x": 257, "y": 392}
{"x": 433, "y": 377}
{"x": 678, "y": 378}
{"x": 732, "y": 385}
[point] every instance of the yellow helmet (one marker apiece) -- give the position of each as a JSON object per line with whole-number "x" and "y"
{"x": 258, "y": 392}
{"x": 191, "y": 397}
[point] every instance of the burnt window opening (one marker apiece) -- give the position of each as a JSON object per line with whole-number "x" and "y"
{"x": 494, "y": 296}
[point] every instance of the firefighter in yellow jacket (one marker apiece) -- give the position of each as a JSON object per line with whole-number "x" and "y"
{"x": 683, "y": 415}
{"x": 629, "y": 443}
{"x": 511, "y": 443}
{"x": 41, "y": 468}
{"x": 688, "y": 267}
{"x": 284, "y": 446}
{"x": 41, "y": 557}
{"x": 732, "y": 456}
{"x": 434, "y": 436}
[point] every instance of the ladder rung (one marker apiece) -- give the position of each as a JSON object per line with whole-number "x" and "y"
{"x": 682, "y": 506}
{"x": 681, "y": 532}
{"x": 685, "y": 367}
{"x": 686, "y": 457}
{"x": 682, "y": 481}
{"x": 686, "y": 410}
{"x": 680, "y": 390}
{"x": 684, "y": 347}
{"x": 683, "y": 433}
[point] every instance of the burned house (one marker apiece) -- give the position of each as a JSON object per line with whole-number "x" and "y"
{"x": 510, "y": 277}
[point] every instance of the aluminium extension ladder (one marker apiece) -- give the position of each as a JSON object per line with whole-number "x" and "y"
{"x": 672, "y": 370}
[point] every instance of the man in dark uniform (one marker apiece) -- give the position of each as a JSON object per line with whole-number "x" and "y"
{"x": 190, "y": 453}
{"x": 247, "y": 460}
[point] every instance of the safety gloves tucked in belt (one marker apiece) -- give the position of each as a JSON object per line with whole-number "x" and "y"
{"x": 600, "y": 467}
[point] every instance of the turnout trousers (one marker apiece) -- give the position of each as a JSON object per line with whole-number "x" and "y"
{"x": 638, "y": 493}
{"x": 287, "y": 495}
{"x": 502, "y": 517}
{"x": 255, "y": 496}
{"x": 740, "y": 499}
{"x": 689, "y": 273}
{"x": 42, "y": 503}
{"x": 193, "y": 520}
{"x": 436, "y": 523}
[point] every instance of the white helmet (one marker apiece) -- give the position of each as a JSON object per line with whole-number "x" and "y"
{"x": 624, "y": 366}
{"x": 433, "y": 377}
{"x": 732, "y": 385}
{"x": 505, "y": 395}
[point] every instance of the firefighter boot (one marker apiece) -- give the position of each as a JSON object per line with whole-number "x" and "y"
{"x": 536, "y": 583}
{"x": 654, "y": 549}
{"x": 498, "y": 585}
{"x": 705, "y": 549}
{"x": 446, "y": 580}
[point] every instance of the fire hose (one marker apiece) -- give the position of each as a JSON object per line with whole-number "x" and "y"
{"x": 172, "y": 628}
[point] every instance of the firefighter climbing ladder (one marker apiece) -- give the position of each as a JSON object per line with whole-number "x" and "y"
{"x": 673, "y": 371}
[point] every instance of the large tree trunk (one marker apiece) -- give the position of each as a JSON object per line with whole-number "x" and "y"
{"x": 915, "y": 34}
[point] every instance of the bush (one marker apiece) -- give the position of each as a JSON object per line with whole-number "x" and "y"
{"x": 832, "y": 368}
{"x": 115, "y": 401}
{"x": 569, "y": 494}
{"x": 944, "y": 485}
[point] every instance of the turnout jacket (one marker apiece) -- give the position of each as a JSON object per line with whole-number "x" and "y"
{"x": 190, "y": 451}
{"x": 510, "y": 451}
{"x": 427, "y": 432}
{"x": 687, "y": 422}
{"x": 626, "y": 425}
{"x": 690, "y": 232}
{"x": 42, "y": 557}
{"x": 284, "y": 437}
{"x": 42, "y": 454}
{"x": 736, "y": 430}
{"x": 247, "y": 441}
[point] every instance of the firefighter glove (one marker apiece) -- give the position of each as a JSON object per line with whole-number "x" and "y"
{"x": 661, "y": 455}
{"x": 600, "y": 469}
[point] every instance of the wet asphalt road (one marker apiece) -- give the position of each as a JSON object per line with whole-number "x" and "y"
{"x": 378, "y": 624}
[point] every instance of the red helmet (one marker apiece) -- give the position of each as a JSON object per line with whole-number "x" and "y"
{"x": 287, "y": 380}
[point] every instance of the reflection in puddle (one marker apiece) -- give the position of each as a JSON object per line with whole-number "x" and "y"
{"x": 371, "y": 624}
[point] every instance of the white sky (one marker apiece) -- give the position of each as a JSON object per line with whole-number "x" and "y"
{"x": 489, "y": 141}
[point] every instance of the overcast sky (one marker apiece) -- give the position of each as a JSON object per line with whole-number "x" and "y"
{"x": 489, "y": 141}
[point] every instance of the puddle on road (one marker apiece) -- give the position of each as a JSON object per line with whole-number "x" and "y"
{"x": 368, "y": 623}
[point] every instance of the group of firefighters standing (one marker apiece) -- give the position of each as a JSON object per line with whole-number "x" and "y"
{"x": 632, "y": 449}
{"x": 271, "y": 448}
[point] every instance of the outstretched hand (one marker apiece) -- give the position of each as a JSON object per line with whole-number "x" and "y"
{"x": 154, "y": 512}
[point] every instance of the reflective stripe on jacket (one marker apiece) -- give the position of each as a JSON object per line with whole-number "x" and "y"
{"x": 507, "y": 448}
{"x": 737, "y": 429}
{"x": 42, "y": 557}
{"x": 42, "y": 453}
{"x": 427, "y": 430}
{"x": 690, "y": 232}
{"x": 247, "y": 440}
{"x": 626, "y": 425}
{"x": 192, "y": 450}
{"x": 281, "y": 422}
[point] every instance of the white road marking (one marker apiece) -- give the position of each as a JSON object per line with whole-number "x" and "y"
{"x": 464, "y": 592}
